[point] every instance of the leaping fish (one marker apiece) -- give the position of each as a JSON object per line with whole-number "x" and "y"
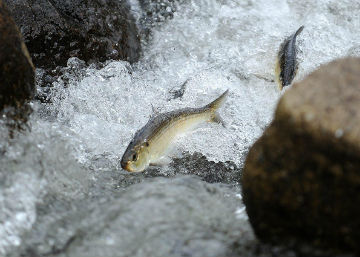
{"x": 151, "y": 142}
{"x": 287, "y": 65}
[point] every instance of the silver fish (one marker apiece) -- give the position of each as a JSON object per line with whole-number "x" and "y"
{"x": 287, "y": 65}
{"x": 153, "y": 141}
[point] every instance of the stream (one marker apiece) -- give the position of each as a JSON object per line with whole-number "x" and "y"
{"x": 62, "y": 189}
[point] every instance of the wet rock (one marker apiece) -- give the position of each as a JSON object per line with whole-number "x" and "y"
{"x": 155, "y": 12}
{"x": 74, "y": 72}
{"x": 209, "y": 171}
{"x": 301, "y": 178}
{"x": 29, "y": 173}
{"x": 17, "y": 82}
{"x": 146, "y": 219}
{"x": 92, "y": 30}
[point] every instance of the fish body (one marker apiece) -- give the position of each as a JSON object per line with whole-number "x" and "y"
{"x": 153, "y": 141}
{"x": 287, "y": 65}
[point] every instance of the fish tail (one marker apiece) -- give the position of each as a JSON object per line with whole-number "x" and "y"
{"x": 215, "y": 105}
{"x": 218, "y": 102}
{"x": 299, "y": 31}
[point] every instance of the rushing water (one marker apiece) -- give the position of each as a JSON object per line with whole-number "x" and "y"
{"x": 62, "y": 190}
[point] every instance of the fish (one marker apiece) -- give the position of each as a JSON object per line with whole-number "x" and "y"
{"x": 151, "y": 143}
{"x": 286, "y": 64}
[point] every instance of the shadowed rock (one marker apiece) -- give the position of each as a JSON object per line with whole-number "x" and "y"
{"x": 209, "y": 171}
{"x": 155, "y": 12}
{"x": 17, "y": 79}
{"x": 301, "y": 179}
{"x": 92, "y": 30}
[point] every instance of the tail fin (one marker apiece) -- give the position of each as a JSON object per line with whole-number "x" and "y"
{"x": 215, "y": 105}
{"x": 299, "y": 31}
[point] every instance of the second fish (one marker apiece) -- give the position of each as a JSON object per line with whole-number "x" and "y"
{"x": 287, "y": 65}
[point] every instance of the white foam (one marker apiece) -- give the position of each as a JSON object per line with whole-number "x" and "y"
{"x": 215, "y": 45}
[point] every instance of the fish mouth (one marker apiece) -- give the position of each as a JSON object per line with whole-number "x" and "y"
{"x": 126, "y": 166}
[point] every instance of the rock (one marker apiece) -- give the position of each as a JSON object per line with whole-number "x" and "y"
{"x": 155, "y": 12}
{"x": 209, "y": 171}
{"x": 73, "y": 72}
{"x": 301, "y": 178}
{"x": 27, "y": 173}
{"x": 195, "y": 164}
{"x": 92, "y": 30}
{"x": 181, "y": 216}
{"x": 17, "y": 83}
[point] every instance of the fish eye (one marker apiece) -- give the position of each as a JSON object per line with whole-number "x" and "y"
{"x": 134, "y": 157}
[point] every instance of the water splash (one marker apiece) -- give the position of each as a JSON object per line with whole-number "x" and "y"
{"x": 55, "y": 177}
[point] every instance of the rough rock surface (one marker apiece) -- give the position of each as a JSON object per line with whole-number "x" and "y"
{"x": 17, "y": 78}
{"x": 301, "y": 179}
{"x": 209, "y": 171}
{"x": 92, "y": 30}
{"x": 144, "y": 220}
{"x": 156, "y": 11}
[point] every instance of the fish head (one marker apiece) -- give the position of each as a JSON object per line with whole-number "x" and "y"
{"x": 136, "y": 157}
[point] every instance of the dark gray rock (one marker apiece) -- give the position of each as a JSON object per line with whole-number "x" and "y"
{"x": 92, "y": 30}
{"x": 181, "y": 216}
{"x": 154, "y": 12}
{"x": 209, "y": 171}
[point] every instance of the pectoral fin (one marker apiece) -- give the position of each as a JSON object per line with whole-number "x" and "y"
{"x": 217, "y": 118}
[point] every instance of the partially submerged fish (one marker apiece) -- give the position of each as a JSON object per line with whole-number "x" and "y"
{"x": 287, "y": 65}
{"x": 152, "y": 142}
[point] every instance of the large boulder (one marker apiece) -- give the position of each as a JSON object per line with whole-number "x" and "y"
{"x": 92, "y": 30}
{"x": 180, "y": 216}
{"x": 301, "y": 181}
{"x": 17, "y": 79}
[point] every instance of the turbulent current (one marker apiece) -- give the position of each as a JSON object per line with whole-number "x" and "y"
{"x": 62, "y": 189}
